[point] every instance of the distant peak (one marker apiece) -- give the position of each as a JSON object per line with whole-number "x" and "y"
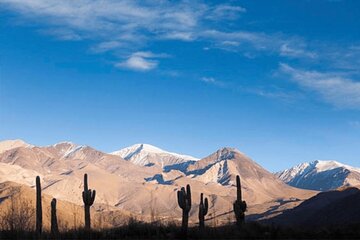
{"x": 318, "y": 166}
{"x": 68, "y": 144}
{"x": 138, "y": 148}
{"x": 226, "y": 151}
{"x": 14, "y": 141}
{"x": 67, "y": 149}
{"x": 324, "y": 165}
{"x": 65, "y": 143}
{"x": 147, "y": 147}
{"x": 11, "y": 144}
{"x": 319, "y": 175}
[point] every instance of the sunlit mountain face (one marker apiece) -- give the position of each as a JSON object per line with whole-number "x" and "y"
{"x": 321, "y": 175}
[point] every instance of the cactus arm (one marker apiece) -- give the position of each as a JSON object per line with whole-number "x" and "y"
{"x": 179, "y": 199}
{"x": 188, "y": 194}
{"x": 93, "y": 197}
{"x": 85, "y": 182}
{"x": 238, "y": 188}
{"x": 206, "y": 206}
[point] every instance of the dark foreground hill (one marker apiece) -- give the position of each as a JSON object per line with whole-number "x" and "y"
{"x": 326, "y": 209}
{"x": 252, "y": 230}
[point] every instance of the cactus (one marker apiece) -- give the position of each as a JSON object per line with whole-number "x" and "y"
{"x": 88, "y": 198}
{"x": 203, "y": 210}
{"x": 54, "y": 225}
{"x": 239, "y": 204}
{"x": 38, "y": 207}
{"x": 184, "y": 201}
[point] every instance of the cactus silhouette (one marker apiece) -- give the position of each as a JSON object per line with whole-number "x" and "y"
{"x": 239, "y": 204}
{"x": 88, "y": 196}
{"x": 184, "y": 201}
{"x": 38, "y": 207}
{"x": 203, "y": 210}
{"x": 54, "y": 225}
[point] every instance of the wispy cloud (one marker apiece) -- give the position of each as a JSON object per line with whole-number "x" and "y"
{"x": 226, "y": 11}
{"x": 270, "y": 92}
{"x": 213, "y": 81}
{"x": 275, "y": 93}
{"x": 335, "y": 88}
{"x": 123, "y": 26}
{"x": 297, "y": 52}
{"x": 127, "y": 27}
{"x": 245, "y": 41}
{"x": 106, "y": 46}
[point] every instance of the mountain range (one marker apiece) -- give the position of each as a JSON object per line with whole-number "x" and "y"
{"x": 142, "y": 180}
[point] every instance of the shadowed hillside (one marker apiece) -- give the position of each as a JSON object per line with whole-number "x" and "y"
{"x": 334, "y": 208}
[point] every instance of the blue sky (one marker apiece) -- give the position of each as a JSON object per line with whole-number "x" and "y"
{"x": 279, "y": 80}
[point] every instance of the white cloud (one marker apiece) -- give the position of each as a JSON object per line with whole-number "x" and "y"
{"x": 208, "y": 79}
{"x": 335, "y": 88}
{"x": 141, "y": 61}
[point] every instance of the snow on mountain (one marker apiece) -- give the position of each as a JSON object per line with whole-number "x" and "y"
{"x": 67, "y": 149}
{"x": 222, "y": 166}
{"x": 148, "y": 155}
{"x": 320, "y": 175}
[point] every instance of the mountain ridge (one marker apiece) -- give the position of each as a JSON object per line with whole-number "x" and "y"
{"x": 145, "y": 154}
{"x": 320, "y": 175}
{"x": 127, "y": 186}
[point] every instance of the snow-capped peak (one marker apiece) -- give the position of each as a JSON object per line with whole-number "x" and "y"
{"x": 329, "y": 165}
{"x": 144, "y": 154}
{"x": 318, "y": 175}
{"x": 66, "y": 149}
{"x": 128, "y": 152}
{"x": 318, "y": 166}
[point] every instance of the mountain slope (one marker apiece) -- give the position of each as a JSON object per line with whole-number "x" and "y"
{"x": 11, "y": 144}
{"x": 320, "y": 175}
{"x": 258, "y": 184}
{"x": 333, "y": 208}
{"x": 147, "y": 155}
